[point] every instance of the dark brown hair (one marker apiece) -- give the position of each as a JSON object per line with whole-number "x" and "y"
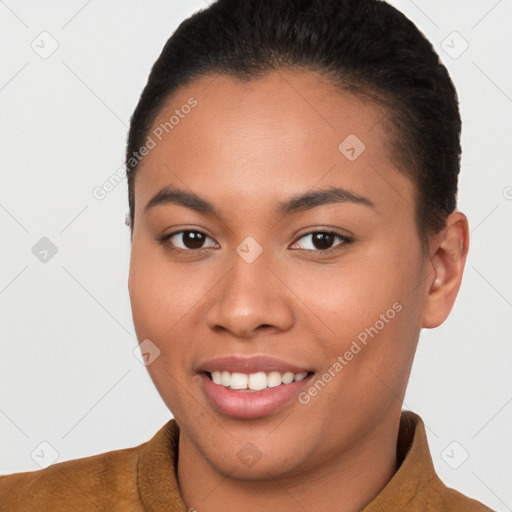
{"x": 363, "y": 46}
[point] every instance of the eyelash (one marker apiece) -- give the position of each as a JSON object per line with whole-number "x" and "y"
{"x": 345, "y": 239}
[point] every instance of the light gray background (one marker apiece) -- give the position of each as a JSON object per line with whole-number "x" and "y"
{"x": 68, "y": 375}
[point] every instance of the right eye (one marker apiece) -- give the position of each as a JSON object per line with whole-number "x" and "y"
{"x": 187, "y": 240}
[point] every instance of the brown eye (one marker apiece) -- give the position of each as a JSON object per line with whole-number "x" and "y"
{"x": 321, "y": 241}
{"x": 187, "y": 240}
{"x": 193, "y": 239}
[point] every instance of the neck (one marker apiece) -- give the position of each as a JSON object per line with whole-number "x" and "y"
{"x": 346, "y": 482}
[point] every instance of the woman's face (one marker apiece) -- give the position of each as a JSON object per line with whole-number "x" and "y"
{"x": 255, "y": 292}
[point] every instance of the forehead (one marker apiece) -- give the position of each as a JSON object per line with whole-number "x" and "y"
{"x": 281, "y": 133}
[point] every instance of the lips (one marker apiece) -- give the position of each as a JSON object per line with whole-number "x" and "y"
{"x": 251, "y": 387}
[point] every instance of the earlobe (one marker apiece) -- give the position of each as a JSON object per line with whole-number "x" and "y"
{"x": 449, "y": 249}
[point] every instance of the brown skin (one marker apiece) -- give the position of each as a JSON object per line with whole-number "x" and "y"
{"x": 246, "y": 147}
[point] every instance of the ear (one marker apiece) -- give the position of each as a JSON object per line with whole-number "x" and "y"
{"x": 448, "y": 251}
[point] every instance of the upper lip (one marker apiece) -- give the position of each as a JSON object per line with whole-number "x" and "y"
{"x": 250, "y": 365}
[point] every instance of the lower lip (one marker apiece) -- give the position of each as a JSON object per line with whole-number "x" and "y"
{"x": 251, "y": 404}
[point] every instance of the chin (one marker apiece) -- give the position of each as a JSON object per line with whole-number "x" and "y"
{"x": 250, "y": 465}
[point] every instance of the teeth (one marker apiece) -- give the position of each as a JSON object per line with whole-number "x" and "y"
{"x": 238, "y": 381}
{"x": 287, "y": 378}
{"x": 273, "y": 379}
{"x": 225, "y": 378}
{"x": 255, "y": 381}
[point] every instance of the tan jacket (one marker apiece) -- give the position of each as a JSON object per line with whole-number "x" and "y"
{"x": 143, "y": 478}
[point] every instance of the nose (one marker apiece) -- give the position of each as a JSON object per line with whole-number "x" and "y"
{"x": 250, "y": 298}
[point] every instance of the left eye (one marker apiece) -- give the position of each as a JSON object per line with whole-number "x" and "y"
{"x": 323, "y": 240}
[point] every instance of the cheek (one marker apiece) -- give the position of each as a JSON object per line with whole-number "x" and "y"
{"x": 159, "y": 293}
{"x": 164, "y": 296}
{"x": 341, "y": 301}
{"x": 368, "y": 314}
{"x": 366, "y": 369}
{"x": 159, "y": 310}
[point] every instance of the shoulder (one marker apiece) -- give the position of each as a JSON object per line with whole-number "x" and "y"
{"x": 416, "y": 486}
{"x": 449, "y": 500}
{"x": 107, "y": 481}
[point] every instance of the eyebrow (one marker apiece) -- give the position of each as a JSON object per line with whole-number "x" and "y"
{"x": 296, "y": 204}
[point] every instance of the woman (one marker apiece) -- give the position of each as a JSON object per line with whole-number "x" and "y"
{"x": 292, "y": 171}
